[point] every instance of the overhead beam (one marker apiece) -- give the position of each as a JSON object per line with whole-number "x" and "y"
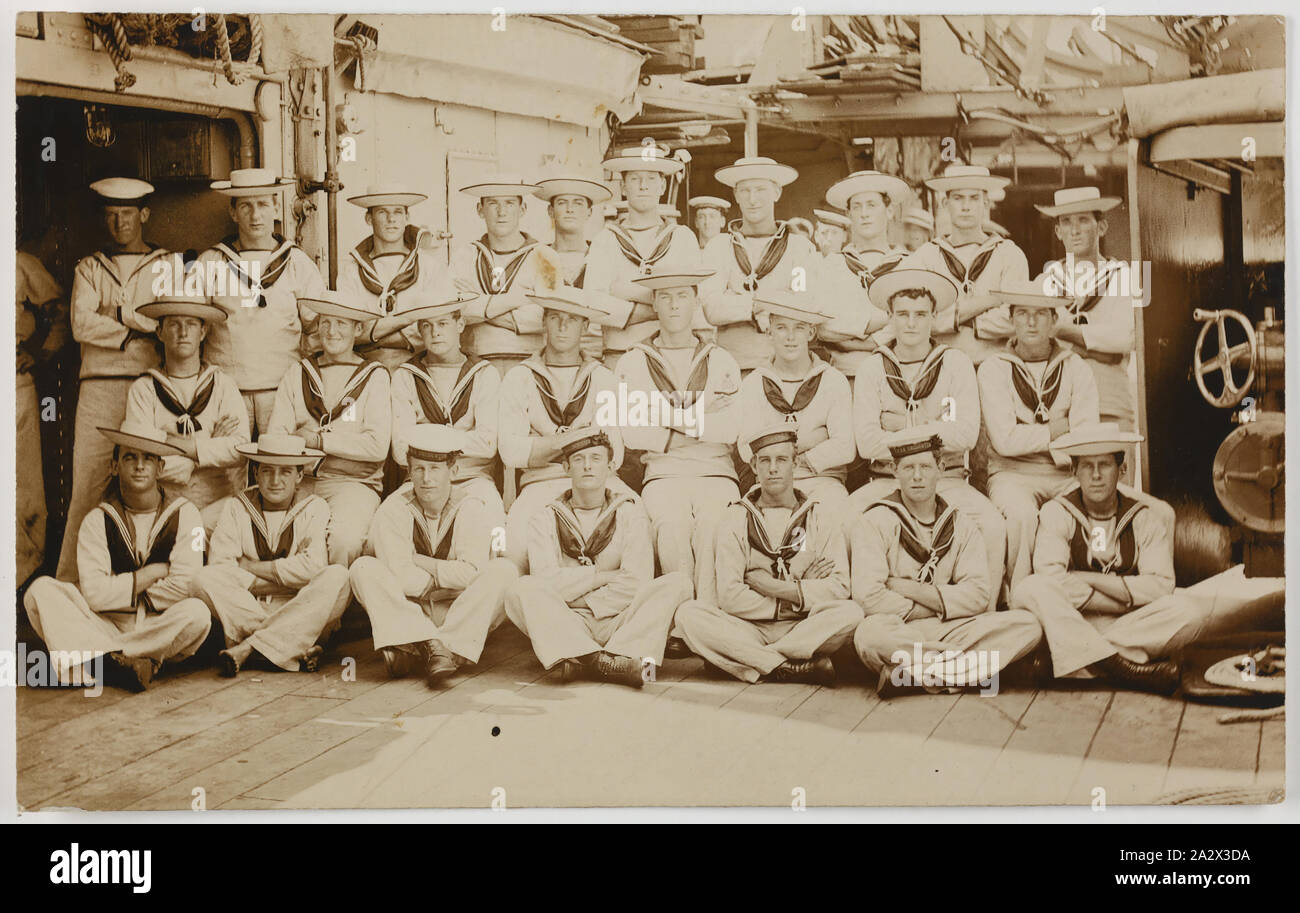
{"x": 940, "y": 107}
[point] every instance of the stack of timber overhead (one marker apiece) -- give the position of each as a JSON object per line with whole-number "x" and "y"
{"x": 672, "y": 36}
{"x": 861, "y": 73}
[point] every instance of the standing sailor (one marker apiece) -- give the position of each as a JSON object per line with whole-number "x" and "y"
{"x": 920, "y": 575}
{"x": 388, "y": 273}
{"x": 710, "y": 217}
{"x": 136, "y": 561}
{"x": 268, "y": 580}
{"x": 432, "y": 591}
{"x": 341, "y": 404}
{"x": 756, "y": 255}
{"x": 633, "y": 246}
{"x": 782, "y": 567}
{"x": 258, "y": 277}
{"x": 197, "y": 406}
{"x": 570, "y": 202}
{"x": 830, "y": 231}
{"x": 502, "y": 268}
{"x": 918, "y": 228}
{"x": 976, "y": 261}
{"x": 591, "y": 600}
{"x": 867, "y": 196}
{"x": 116, "y": 342}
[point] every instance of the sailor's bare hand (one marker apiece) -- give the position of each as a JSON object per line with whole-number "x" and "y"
{"x": 225, "y": 426}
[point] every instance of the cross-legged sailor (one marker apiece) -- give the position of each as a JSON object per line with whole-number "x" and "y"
{"x": 268, "y": 580}
{"x": 633, "y": 246}
{"x": 591, "y": 600}
{"x": 444, "y": 387}
{"x": 432, "y": 591}
{"x": 341, "y": 404}
{"x": 389, "y": 273}
{"x": 921, "y": 577}
{"x": 975, "y": 260}
{"x": 755, "y": 256}
{"x": 796, "y": 386}
{"x": 710, "y": 217}
{"x": 258, "y": 277}
{"x": 782, "y": 566}
{"x": 196, "y": 405}
{"x": 685, "y": 441}
{"x": 136, "y": 561}
{"x": 546, "y": 403}
{"x": 502, "y": 267}
{"x": 867, "y": 196}
{"x": 116, "y": 342}
{"x": 913, "y": 385}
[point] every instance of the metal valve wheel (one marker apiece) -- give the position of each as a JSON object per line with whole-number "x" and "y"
{"x": 1225, "y": 358}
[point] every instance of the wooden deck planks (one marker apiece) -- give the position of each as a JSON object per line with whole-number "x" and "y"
{"x": 1130, "y": 754}
{"x": 1209, "y": 755}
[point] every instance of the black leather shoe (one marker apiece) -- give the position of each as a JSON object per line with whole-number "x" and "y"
{"x": 621, "y": 670}
{"x": 436, "y": 660}
{"x": 676, "y": 649}
{"x": 819, "y": 671}
{"x": 132, "y": 673}
{"x": 1159, "y": 677}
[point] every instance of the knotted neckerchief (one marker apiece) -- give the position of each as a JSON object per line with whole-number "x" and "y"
{"x": 262, "y": 532}
{"x": 562, "y": 415}
{"x": 914, "y": 394}
{"x": 568, "y": 531}
{"x": 802, "y": 396}
{"x": 661, "y": 372}
{"x": 966, "y": 277}
{"x": 123, "y": 554}
{"x": 644, "y": 265}
{"x": 1124, "y": 561}
{"x": 869, "y": 274}
{"x": 1078, "y": 313}
{"x": 793, "y": 541}
{"x": 187, "y": 417}
{"x": 313, "y": 389}
{"x": 773, "y": 251}
{"x": 909, "y": 536}
{"x": 434, "y": 410}
{"x": 104, "y": 258}
{"x": 1037, "y": 398}
{"x": 485, "y": 258}
{"x": 407, "y": 275}
{"x": 272, "y": 271}
{"x": 420, "y": 538}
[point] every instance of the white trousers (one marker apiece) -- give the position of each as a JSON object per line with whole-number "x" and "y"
{"x": 101, "y": 403}
{"x": 281, "y": 629}
{"x": 29, "y": 492}
{"x": 1221, "y": 604}
{"x": 462, "y": 624}
{"x": 684, "y": 514}
{"x": 749, "y": 650}
{"x": 961, "y": 495}
{"x": 558, "y": 631}
{"x": 1009, "y": 635}
{"x": 66, "y": 623}
{"x": 352, "y": 505}
{"x": 532, "y": 498}
{"x": 259, "y": 404}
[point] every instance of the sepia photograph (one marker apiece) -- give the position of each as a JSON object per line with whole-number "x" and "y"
{"x": 530, "y": 410}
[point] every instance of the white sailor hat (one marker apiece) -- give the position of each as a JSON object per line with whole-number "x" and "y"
{"x": 330, "y": 304}
{"x": 794, "y": 305}
{"x": 669, "y": 211}
{"x": 121, "y": 191}
{"x": 249, "y": 182}
{"x": 838, "y": 219}
{"x": 891, "y": 283}
{"x": 717, "y": 203}
{"x": 1069, "y": 200}
{"x": 781, "y": 433}
{"x": 434, "y": 311}
{"x": 134, "y": 435}
{"x": 275, "y": 449}
{"x": 915, "y": 440}
{"x": 757, "y": 166}
{"x": 568, "y": 299}
{"x": 993, "y": 228}
{"x": 1029, "y": 295}
{"x": 182, "y": 306}
{"x": 919, "y": 217}
{"x": 967, "y": 177}
{"x": 597, "y": 438}
{"x": 668, "y": 275}
{"x": 434, "y": 443}
{"x": 1095, "y": 438}
{"x": 500, "y": 185}
{"x": 647, "y": 157}
{"x": 387, "y": 195}
{"x": 841, "y": 192}
{"x": 594, "y": 191}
